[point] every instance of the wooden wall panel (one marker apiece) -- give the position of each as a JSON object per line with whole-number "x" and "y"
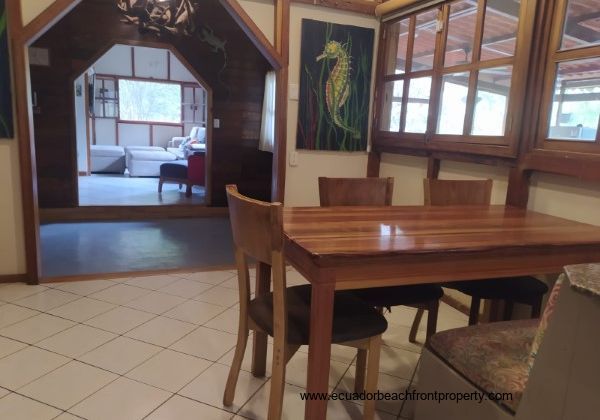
{"x": 237, "y": 80}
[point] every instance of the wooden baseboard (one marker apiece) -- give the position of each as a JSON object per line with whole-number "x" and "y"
{"x": 89, "y": 213}
{"x": 13, "y": 278}
{"x": 97, "y": 276}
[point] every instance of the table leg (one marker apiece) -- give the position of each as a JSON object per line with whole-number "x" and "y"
{"x": 260, "y": 343}
{"x": 319, "y": 350}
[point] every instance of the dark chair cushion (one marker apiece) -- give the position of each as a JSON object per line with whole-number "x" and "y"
{"x": 516, "y": 289}
{"x": 385, "y": 297}
{"x": 177, "y": 169}
{"x": 352, "y": 318}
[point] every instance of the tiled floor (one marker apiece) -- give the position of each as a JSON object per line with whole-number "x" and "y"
{"x": 159, "y": 348}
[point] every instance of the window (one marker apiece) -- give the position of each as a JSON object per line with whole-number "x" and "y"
{"x": 447, "y": 75}
{"x": 571, "y": 102}
{"x": 150, "y": 101}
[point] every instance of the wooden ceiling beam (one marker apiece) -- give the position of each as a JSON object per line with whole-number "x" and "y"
{"x": 358, "y": 6}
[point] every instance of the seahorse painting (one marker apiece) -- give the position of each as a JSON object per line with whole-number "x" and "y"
{"x": 337, "y": 87}
{"x": 335, "y": 79}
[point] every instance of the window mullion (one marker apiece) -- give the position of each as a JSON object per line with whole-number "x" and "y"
{"x": 409, "y": 54}
{"x": 438, "y": 66}
{"x": 473, "y": 77}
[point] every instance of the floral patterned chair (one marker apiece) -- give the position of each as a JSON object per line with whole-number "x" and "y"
{"x": 549, "y": 368}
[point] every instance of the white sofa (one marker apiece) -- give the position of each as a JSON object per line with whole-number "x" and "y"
{"x": 146, "y": 160}
{"x": 107, "y": 159}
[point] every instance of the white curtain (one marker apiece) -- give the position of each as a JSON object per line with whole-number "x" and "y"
{"x": 267, "y": 127}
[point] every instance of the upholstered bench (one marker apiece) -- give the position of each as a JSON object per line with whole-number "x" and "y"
{"x": 189, "y": 172}
{"x": 146, "y": 161}
{"x": 107, "y": 159}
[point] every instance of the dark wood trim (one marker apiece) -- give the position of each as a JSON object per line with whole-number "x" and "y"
{"x": 253, "y": 32}
{"x": 365, "y": 7}
{"x": 517, "y": 194}
{"x": 373, "y": 164}
{"x": 24, "y": 121}
{"x": 130, "y": 212}
{"x": 433, "y": 168}
{"x": 13, "y": 278}
{"x": 88, "y": 142}
{"x": 282, "y": 37}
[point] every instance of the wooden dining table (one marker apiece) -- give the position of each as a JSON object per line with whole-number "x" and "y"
{"x": 339, "y": 248}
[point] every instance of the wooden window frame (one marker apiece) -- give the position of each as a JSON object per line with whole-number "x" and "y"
{"x": 505, "y": 146}
{"x": 555, "y": 55}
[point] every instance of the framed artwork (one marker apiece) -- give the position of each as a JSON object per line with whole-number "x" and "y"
{"x": 6, "y": 106}
{"x": 335, "y": 86}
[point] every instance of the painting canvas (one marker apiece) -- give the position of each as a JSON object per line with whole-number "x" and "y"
{"x": 6, "y": 118}
{"x": 335, "y": 80}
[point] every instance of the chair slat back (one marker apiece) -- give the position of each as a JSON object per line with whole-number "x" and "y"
{"x": 356, "y": 191}
{"x": 257, "y": 227}
{"x": 459, "y": 193}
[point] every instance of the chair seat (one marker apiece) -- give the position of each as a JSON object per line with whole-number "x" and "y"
{"x": 516, "y": 289}
{"x": 177, "y": 169}
{"x": 493, "y": 357}
{"x": 352, "y": 318}
{"x": 400, "y": 295}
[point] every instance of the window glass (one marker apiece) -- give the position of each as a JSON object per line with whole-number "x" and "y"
{"x": 424, "y": 45}
{"x": 390, "y": 116}
{"x": 418, "y": 105}
{"x": 491, "y": 102}
{"x": 461, "y": 33}
{"x": 149, "y": 101}
{"x": 582, "y": 24}
{"x": 500, "y": 29}
{"x": 451, "y": 118}
{"x": 396, "y": 47}
{"x": 576, "y": 102}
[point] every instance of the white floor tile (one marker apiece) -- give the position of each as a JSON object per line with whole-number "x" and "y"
{"x": 120, "y": 355}
{"x": 76, "y": 341}
{"x": 397, "y": 336}
{"x": 47, "y": 300}
{"x": 11, "y": 314}
{"x": 4, "y": 392}
{"x": 15, "y": 291}
{"x": 297, "y": 367}
{"x": 123, "y": 399}
{"x": 120, "y": 294}
{"x": 209, "y": 277}
{"x": 219, "y": 296}
{"x": 227, "y": 359}
{"x": 258, "y": 406}
{"x": 161, "y": 331}
{"x": 152, "y": 282}
{"x": 67, "y": 416}
{"x": 26, "y": 365}
{"x": 210, "y": 385}
{"x": 227, "y": 321}
{"x": 17, "y": 407}
{"x": 206, "y": 343}
{"x": 195, "y": 312}
{"x": 83, "y": 288}
{"x": 8, "y": 346}
{"x": 155, "y": 302}
{"x": 82, "y": 309}
{"x": 120, "y": 320}
{"x": 68, "y": 385}
{"x": 36, "y": 328}
{"x": 398, "y": 362}
{"x": 169, "y": 370}
{"x": 180, "y": 408}
{"x": 185, "y": 288}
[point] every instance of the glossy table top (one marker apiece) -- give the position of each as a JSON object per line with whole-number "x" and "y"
{"x": 381, "y": 231}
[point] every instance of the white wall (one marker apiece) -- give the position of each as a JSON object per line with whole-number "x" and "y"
{"x": 81, "y": 135}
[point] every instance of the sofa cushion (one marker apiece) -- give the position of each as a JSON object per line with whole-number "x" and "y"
{"x": 106, "y": 151}
{"x": 148, "y": 148}
{"x": 177, "y": 169}
{"x": 491, "y": 356}
{"x": 152, "y": 155}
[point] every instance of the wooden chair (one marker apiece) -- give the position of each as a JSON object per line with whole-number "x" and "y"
{"x": 379, "y": 192}
{"x": 284, "y": 314}
{"x": 526, "y": 290}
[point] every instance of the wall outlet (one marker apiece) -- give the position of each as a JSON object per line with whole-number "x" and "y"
{"x": 293, "y": 91}
{"x": 216, "y": 123}
{"x": 293, "y": 158}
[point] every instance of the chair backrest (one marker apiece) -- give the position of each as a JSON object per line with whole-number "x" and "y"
{"x": 257, "y": 229}
{"x": 356, "y": 191}
{"x": 460, "y": 193}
